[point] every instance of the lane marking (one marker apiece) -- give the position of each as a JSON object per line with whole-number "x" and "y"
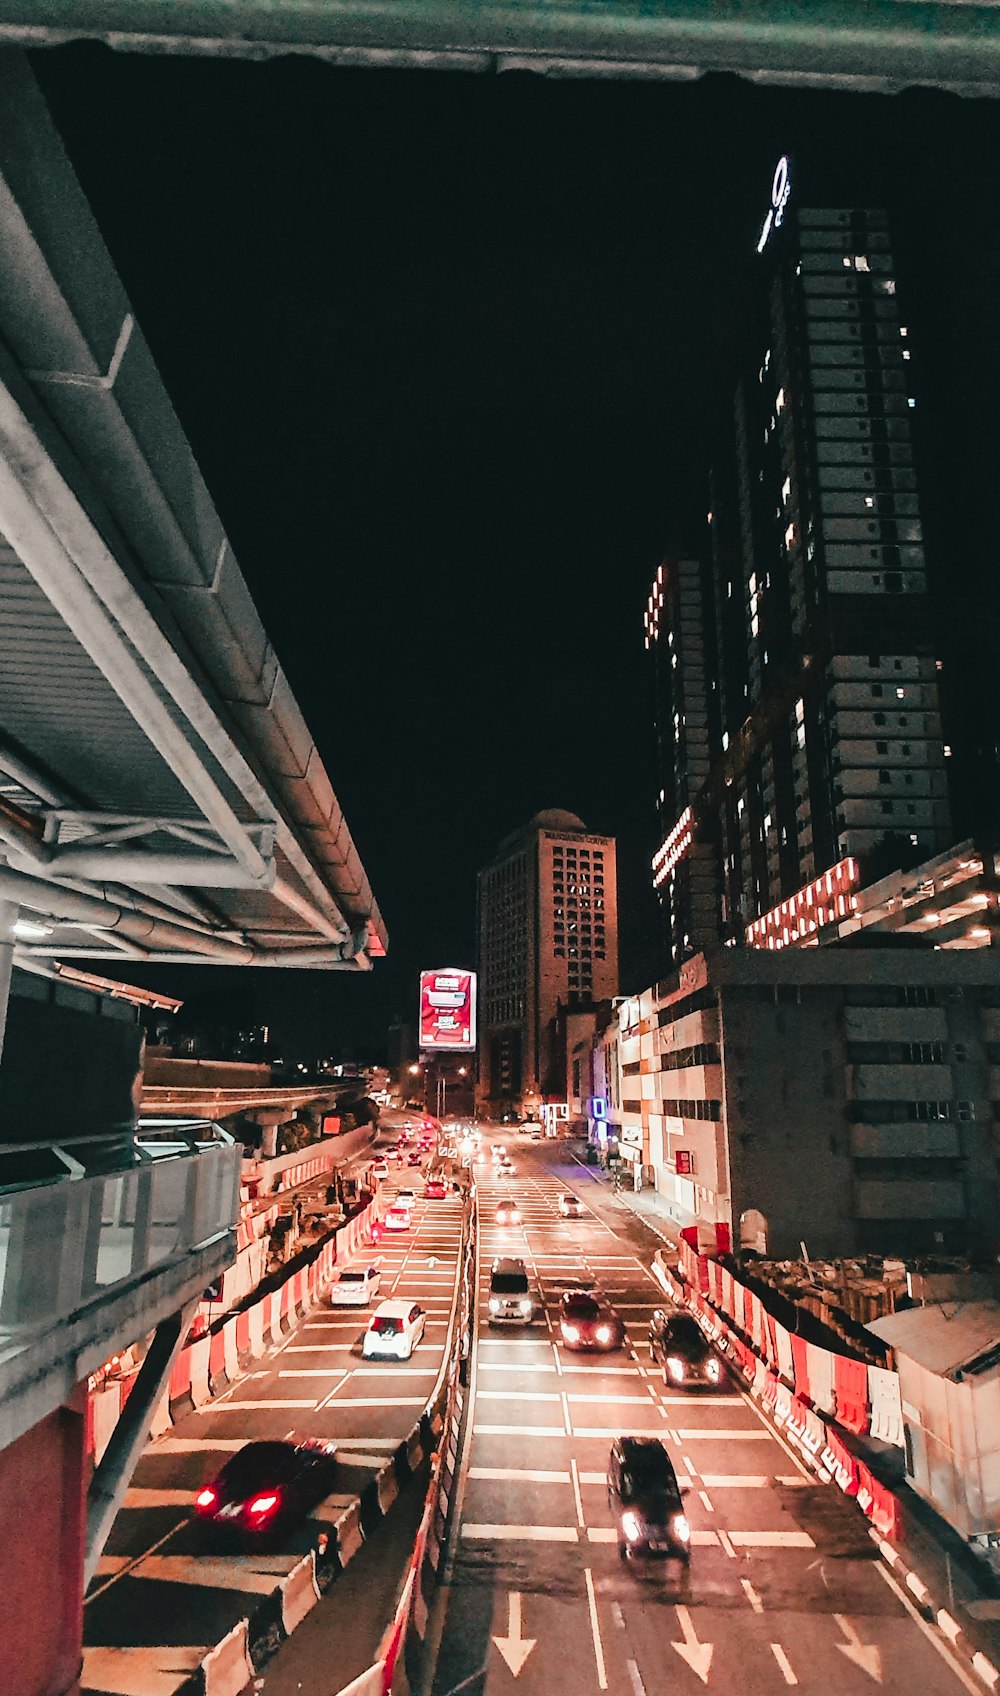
{"x": 595, "y": 1628}
{"x": 522, "y": 1533}
{"x": 724, "y": 1539}
{"x": 968, "y": 1683}
{"x": 769, "y": 1539}
{"x": 243, "y": 1406}
{"x": 752, "y": 1596}
{"x": 137, "y": 1497}
{"x": 566, "y": 1418}
{"x": 783, "y": 1662}
{"x": 617, "y": 1615}
{"x": 706, "y": 1501}
{"x": 638, "y": 1687}
{"x": 516, "y": 1396}
{"x": 515, "y": 1473}
{"x": 576, "y": 1491}
{"x": 520, "y": 1431}
{"x": 690, "y": 1466}
{"x": 327, "y": 1399}
{"x": 717, "y": 1435}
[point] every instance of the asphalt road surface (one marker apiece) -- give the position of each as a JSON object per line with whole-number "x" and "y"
{"x": 785, "y": 1587}
{"x": 160, "y": 1599}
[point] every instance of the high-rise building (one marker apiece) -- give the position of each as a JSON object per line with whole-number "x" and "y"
{"x": 548, "y": 938}
{"x": 797, "y": 659}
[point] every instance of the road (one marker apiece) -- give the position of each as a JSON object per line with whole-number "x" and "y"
{"x": 159, "y": 1600}
{"x": 785, "y": 1587}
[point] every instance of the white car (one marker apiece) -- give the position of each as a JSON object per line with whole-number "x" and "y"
{"x": 398, "y": 1218}
{"x": 405, "y": 1198}
{"x": 355, "y": 1286}
{"x": 506, "y": 1167}
{"x": 394, "y": 1330}
{"x": 570, "y": 1206}
{"x": 381, "y": 1170}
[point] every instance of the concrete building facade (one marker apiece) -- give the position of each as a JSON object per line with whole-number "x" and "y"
{"x": 846, "y": 1095}
{"x": 547, "y": 939}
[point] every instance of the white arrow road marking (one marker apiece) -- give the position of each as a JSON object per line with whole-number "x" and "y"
{"x": 698, "y": 1655}
{"x": 514, "y": 1648}
{"x": 864, "y": 1655}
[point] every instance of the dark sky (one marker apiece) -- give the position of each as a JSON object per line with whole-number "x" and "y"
{"x": 447, "y": 348}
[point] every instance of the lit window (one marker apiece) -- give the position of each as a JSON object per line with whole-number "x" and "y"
{"x": 789, "y": 535}
{"x": 947, "y": 750}
{"x": 780, "y": 402}
{"x": 903, "y": 330}
{"x": 800, "y": 711}
{"x": 900, "y": 693}
{"x": 861, "y": 263}
{"x": 910, "y": 401}
{"x": 847, "y": 263}
{"x": 869, "y": 500}
{"x": 906, "y": 353}
{"x": 889, "y": 286}
{"x": 786, "y": 489}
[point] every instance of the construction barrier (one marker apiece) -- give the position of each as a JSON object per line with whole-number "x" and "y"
{"x": 861, "y": 1398}
{"x": 813, "y": 1436}
{"x": 227, "y": 1670}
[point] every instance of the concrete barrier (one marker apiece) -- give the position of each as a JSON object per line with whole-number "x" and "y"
{"x": 227, "y": 1670}
{"x": 299, "y": 1593}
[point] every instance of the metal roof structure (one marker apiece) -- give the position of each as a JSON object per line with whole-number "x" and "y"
{"x": 949, "y": 1338}
{"x": 870, "y": 45}
{"x": 161, "y": 797}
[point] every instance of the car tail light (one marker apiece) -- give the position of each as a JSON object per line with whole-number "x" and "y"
{"x": 571, "y": 1333}
{"x": 263, "y": 1506}
{"x": 206, "y": 1498}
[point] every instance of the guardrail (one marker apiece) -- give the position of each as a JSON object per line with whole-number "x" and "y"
{"x": 83, "y": 1216}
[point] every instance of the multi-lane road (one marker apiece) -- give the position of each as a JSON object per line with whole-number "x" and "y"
{"x": 785, "y": 1586}
{"x": 160, "y": 1599}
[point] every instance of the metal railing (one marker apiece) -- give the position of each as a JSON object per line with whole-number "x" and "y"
{"x": 84, "y": 1216}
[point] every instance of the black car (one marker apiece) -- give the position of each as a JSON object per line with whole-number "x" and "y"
{"x": 267, "y": 1485}
{"x": 645, "y": 1499}
{"x": 584, "y": 1323}
{"x": 677, "y": 1341}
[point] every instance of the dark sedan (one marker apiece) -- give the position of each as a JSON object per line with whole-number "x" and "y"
{"x": 677, "y": 1341}
{"x": 267, "y": 1485}
{"x": 585, "y": 1323}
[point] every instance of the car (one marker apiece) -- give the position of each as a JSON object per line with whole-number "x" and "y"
{"x": 585, "y": 1323}
{"x": 537, "y": 1134}
{"x": 398, "y": 1218}
{"x": 380, "y": 1170}
{"x": 435, "y": 1189}
{"x": 510, "y": 1299}
{"x": 508, "y": 1213}
{"x": 415, "y": 1157}
{"x": 266, "y": 1485}
{"x": 499, "y": 1150}
{"x": 399, "y": 1157}
{"x": 355, "y": 1286}
{"x": 678, "y": 1343}
{"x": 394, "y": 1330}
{"x": 506, "y": 1168}
{"x": 645, "y": 1501}
{"x": 406, "y": 1197}
{"x": 570, "y": 1206}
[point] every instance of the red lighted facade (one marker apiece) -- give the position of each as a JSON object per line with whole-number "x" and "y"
{"x": 448, "y": 1010}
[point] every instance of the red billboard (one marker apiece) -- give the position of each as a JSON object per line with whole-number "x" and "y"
{"x": 448, "y": 1009}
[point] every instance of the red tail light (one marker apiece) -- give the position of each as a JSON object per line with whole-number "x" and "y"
{"x": 206, "y": 1498}
{"x": 262, "y": 1507}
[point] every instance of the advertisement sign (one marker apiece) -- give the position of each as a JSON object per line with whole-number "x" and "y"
{"x": 684, "y": 1161}
{"x": 448, "y": 1009}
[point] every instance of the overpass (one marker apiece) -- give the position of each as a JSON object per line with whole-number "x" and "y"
{"x": 161, "y": 801}
{"x": 869, "y": 45}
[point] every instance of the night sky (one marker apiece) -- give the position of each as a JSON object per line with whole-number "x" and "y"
{"x": 448, "y": 349}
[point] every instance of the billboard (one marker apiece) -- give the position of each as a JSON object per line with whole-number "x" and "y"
{"x": 448, "y": 1010}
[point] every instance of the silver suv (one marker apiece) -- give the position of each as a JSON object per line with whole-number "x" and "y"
{"x": 511, "y": 1301}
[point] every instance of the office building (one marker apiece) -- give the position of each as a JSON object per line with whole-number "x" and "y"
{"x": 548, "y": 938}
{"x": 844, "y": 1096}
{"x": 796, "y": 661}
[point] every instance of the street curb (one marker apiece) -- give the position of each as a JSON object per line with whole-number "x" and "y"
{"x": 929, "y": 1610}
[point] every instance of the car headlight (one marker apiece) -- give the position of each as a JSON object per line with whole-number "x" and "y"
{"x": 675, "y": 1366}
{"x": 494, "y": 1304}
{"x": 525, "y": 1304}
{"x": 571, "y": 1333}
{"x": 680, "y": 1528}
{"x": 631, "y": 1526}
{"x": 713, "y": 1369}
{"x": 604, "y": 1333}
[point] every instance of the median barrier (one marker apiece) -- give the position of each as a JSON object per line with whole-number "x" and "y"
{"x": 299, "y": 1593}
{"x": 227, "y": 1669}
{"x": 399, "y": 1658}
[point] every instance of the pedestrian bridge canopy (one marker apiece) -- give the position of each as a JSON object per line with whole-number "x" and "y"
{"x": 858, "y": 44}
